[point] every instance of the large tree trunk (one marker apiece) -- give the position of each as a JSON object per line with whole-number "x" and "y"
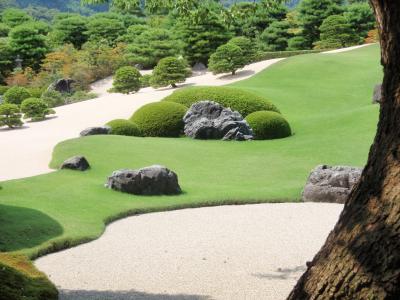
{"x": 361, "y": 257}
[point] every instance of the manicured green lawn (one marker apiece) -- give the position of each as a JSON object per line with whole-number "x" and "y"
{"x": 326, "y": 99}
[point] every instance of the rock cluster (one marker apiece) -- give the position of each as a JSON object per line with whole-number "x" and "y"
{"x": 79, "y": 163}
{"x": 330, "y": 184}
{"x": 210, "y": 120}
{"x": 153, "y": 180}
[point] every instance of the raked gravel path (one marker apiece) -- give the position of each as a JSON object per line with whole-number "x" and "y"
{"x": 229, "y": 252}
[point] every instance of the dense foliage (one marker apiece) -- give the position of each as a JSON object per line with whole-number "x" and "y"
{"x": 240, "y": 100}
{"x": 160, "y": 119}
{"x": 227, "y": 58}
{"x": 336, "y": 32}
{"x": 169, "y": 71}
{"x": 126, "y": 80}
{"x": 35, "y": 109}
{"x": 124, "y": 127}
{"x": 16, "y": 95}
{"x": 268, "y": 125}
{"x": 10, "y": 115}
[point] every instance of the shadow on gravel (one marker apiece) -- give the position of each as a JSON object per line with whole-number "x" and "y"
{"x": 124, "y": 295}
{"x": 288, "y": 273}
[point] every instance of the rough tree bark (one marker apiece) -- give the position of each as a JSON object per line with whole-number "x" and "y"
{"x": 361, "y": 257}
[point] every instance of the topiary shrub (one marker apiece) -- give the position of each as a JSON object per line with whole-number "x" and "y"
{"x": 242, "y": 101}
{"x": 16, "y": 95}
{"x": 160, "y": 119}
{"x": 10, "y": 115}
{"x": 35, "y": 109}
{"x": 268, "y": 125}
{"x": 124, "y": 127}
{"x": 126, "y": 80}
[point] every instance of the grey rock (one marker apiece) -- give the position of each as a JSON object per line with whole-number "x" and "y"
{"x": 76, "y": 163}
{"x": 96, "y": 131}
{"x": 199, "y": 69}
{"x": 62, "y": 85}
{"x": 377, "y": 97}
{"x": 331, "y": 184}
{"x": 210, "y": 120}
{"x": 153, "y": 180}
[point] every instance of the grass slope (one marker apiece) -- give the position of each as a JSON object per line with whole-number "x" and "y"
{"x": 326, "y": 99}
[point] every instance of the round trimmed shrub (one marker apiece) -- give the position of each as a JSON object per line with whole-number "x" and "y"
{"x": 126, "y": 80}
{"x": 10, "y": 115}
{"x": 160, "y": 119}
{"x": 124, "y": 127}
{"x": 242, "y": 101}
{"x": 35, "y": 108}
{"x": 268, "y": 125}
{"x": 16, "y": 95}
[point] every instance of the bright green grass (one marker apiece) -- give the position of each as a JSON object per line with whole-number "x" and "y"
{"x": 326, "y": 99}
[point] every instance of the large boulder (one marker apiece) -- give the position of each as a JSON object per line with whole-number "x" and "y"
{"x": 331, "y": 184}
{"x": 153, "y": 180}
{"x": 210, "y": 120}
{"x": 96, "y": 130}
{"x": 377, "y": 97}
{"x": 62, "y": 85}
{"x": 79, "y": 163}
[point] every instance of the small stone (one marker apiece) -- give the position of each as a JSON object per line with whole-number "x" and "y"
{"x": 96, "y": 131}
{"x": 377, "y": 96}
{"x": 76, "y": 163}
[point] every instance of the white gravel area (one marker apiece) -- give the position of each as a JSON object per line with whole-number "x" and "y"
{"x": 228, "y": 252}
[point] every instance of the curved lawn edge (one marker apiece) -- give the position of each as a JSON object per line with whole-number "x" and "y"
{"x": 67, "y": 243}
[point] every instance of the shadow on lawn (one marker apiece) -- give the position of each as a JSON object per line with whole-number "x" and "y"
{"x": 25, "y": 228}
{"x": 124, "y": 295}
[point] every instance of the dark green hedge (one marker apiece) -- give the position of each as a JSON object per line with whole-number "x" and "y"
{"x": 160, "y": 119}
{"x": 268, "y": 125}
{"x": 124, "y": 127}
{"x": 240, "y": 100}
